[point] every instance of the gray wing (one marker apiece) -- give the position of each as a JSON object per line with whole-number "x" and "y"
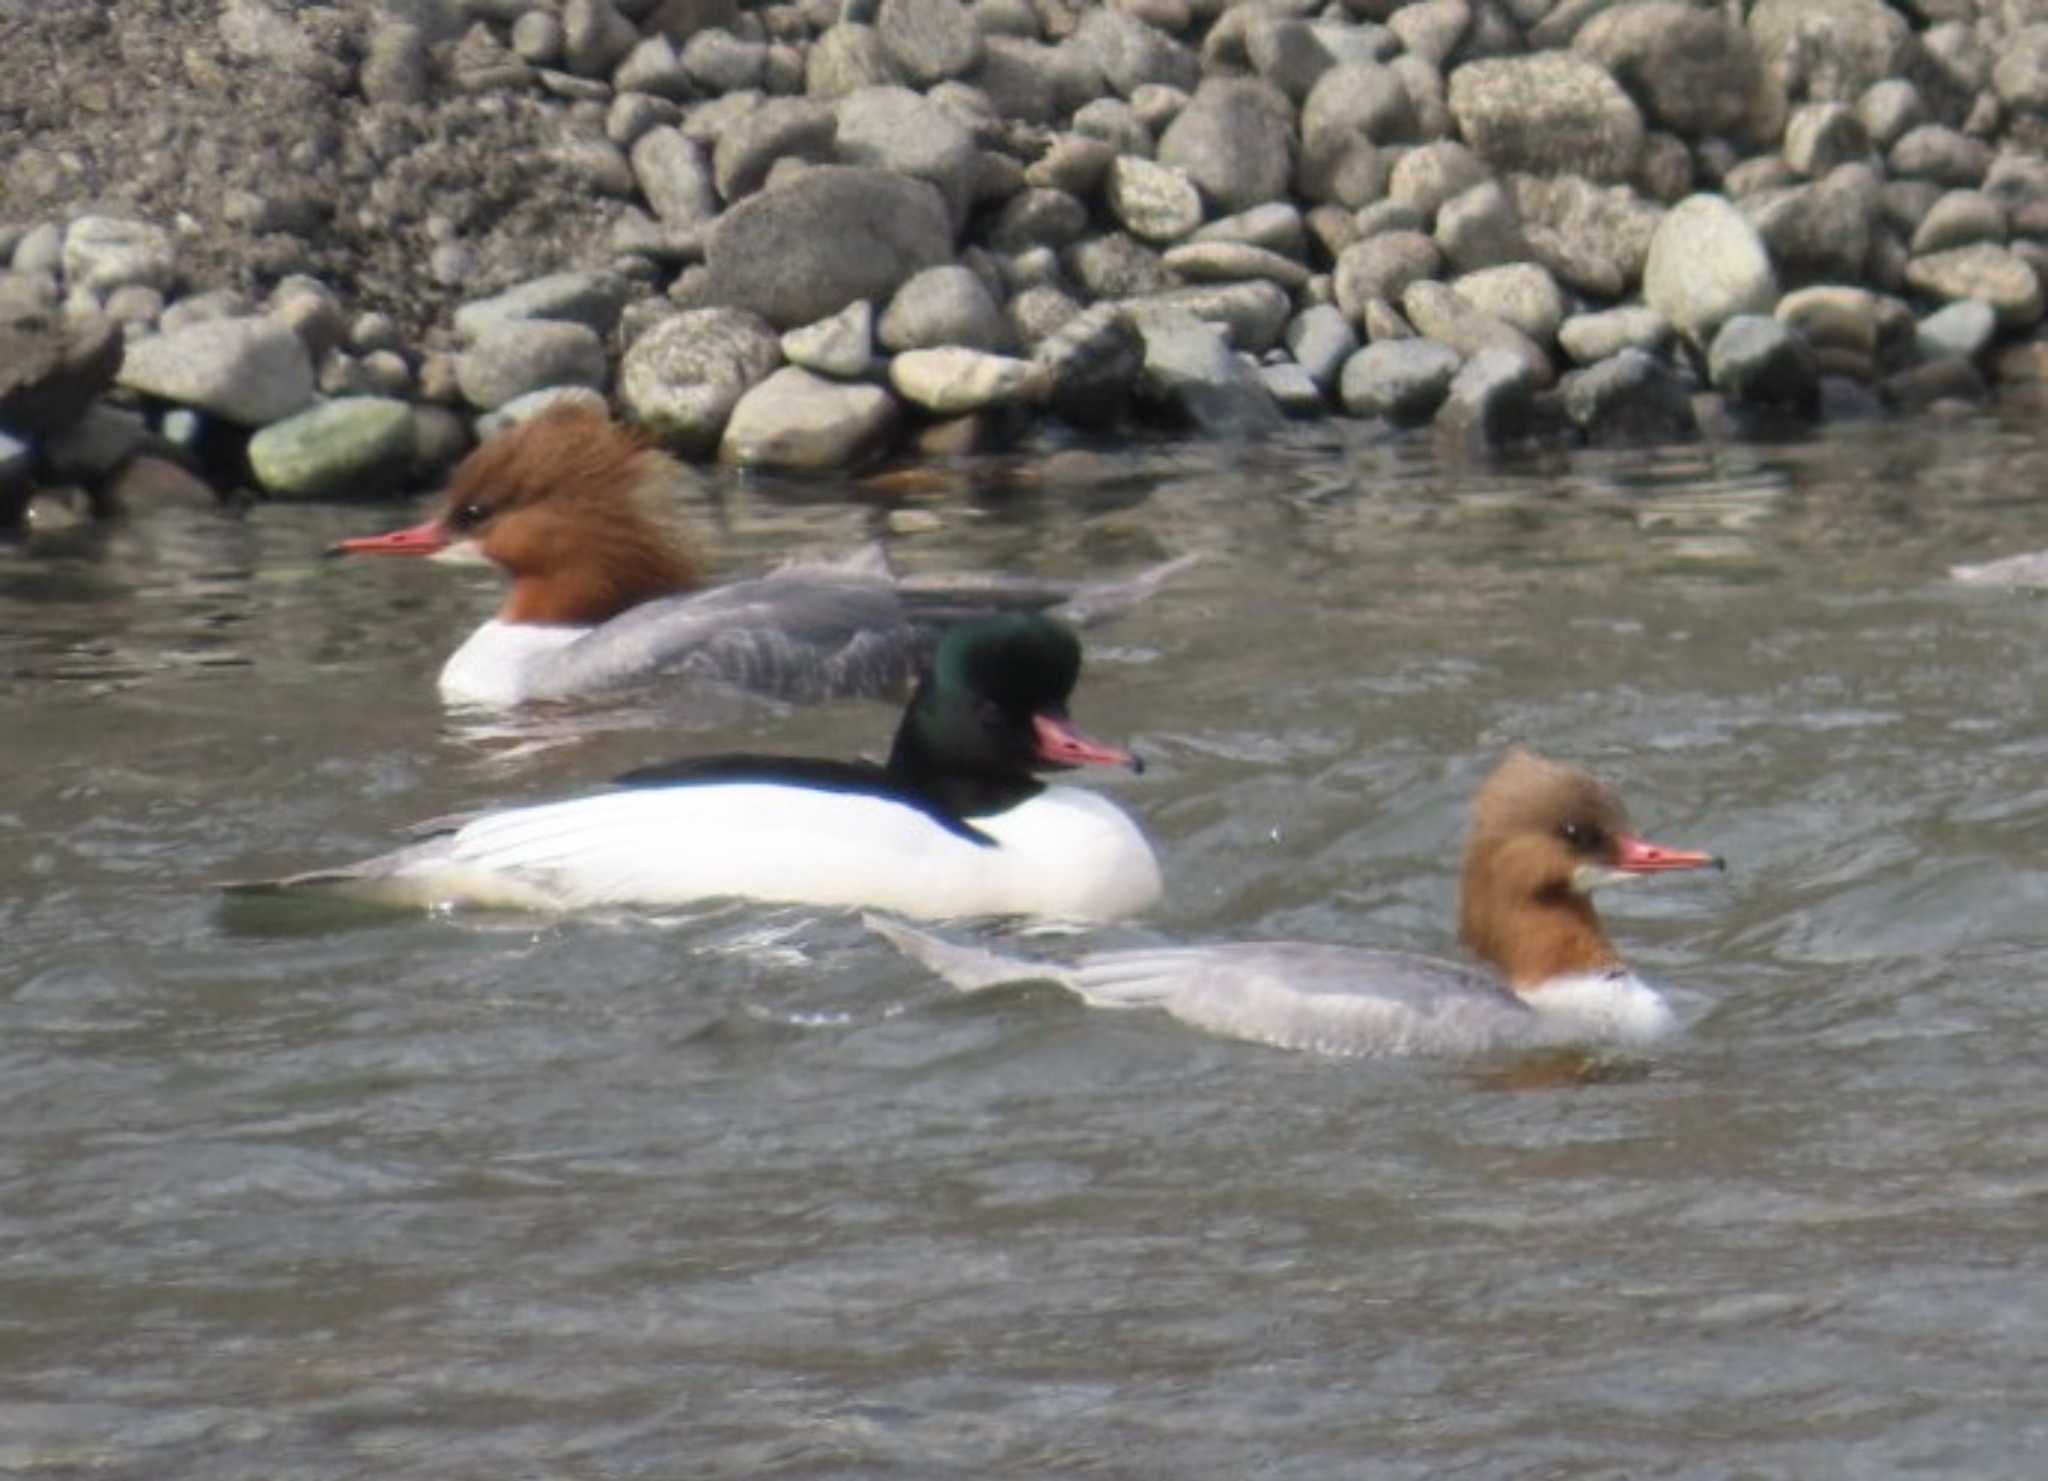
{"x": 1327, "y": 999}
{"x": 1083, "y": 603}
{"x": 800, "y": 633}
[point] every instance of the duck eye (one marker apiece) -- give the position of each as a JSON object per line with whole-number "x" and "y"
{"x": 1585, "y": 837}
{"x": 467, "y": 516}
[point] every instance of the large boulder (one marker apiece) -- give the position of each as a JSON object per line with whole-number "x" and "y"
{"x": 1707, "y": 264}
{"x": 1234, "y": 140}
{"x": 1550, "y": 114}
{"x": 1692, "y": 71}
{"x": 807, "y": 248}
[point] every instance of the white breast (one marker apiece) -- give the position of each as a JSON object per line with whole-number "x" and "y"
{"x": 1613, "y": 1006}
{"x": 497, "y": 663}
{"x": 1067, "y": 853}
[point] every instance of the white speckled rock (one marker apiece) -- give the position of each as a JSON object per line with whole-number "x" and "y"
{"x": 800, "y": 421}
{"x": 951, "y": 380}
{"x": 1706, "y": 265}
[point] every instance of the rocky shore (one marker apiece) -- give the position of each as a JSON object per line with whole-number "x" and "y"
{"x": 315, "y": 250}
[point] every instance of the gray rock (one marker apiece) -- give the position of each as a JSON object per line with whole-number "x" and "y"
{"x": 1596, "y": 240}
{"x": 2020, "y": 76}
{"x": 1293, "y": 389}
{"x": 675, "y": 175}
{"x": 1154, "y": 202}
{"x": 593, "y": 299}
{"x": 1022, "y": 79}
{"x": 395, "y": 66}
{"x": 1191, "y": 373}
{"x": 251, "y": 371}
{"x": 1230, "y": 262}
{"x": 1888, "y": 109}
{"x": 94, "y": 445}
{"x": 892, "y": 128}
{"x": 525, "y": 408}
{"x": 1961, "y": 218}
{"x": 1235, "y": 141}
{"x": 1254, "y": 315}
{"x": 1379, "y": 218}
{"x": 1992, "y": 275}
{"x": 1904, "y": 204}
{"x": 537, "y": 38}
{"x": 1039, "y": 218}
{"x": 780, "y": 128}
{"x": 1757, "y": 359}
{"x": 1629, "y": 399}
{"x": 1039, "y": 312}
{"x": 952, "y": 381}
{"x": 1430, "y": 174}
{"x": 356, "y": 444}
{"x": 40, "y": 250}
{"x": 804, "y": 423}
{"x": 1517, "y": 293}
{"x": 1129, "y": 54}
{"x": 1438, "y": 313}
{"x": 1693, "y": 70}
{"x": 1094, "y": 360}
{"x": 805, "y": 249}
{"x": 1276, "y": 226}
{"x": 1403, "y": 380}
{"x": 1551, "y": 113}
{"x": 1321, "y": 339}
{"x": 1490, "y": 404}
{"x": 1589, "y": 338}
{"x": 1706, "y": 265}
{"x": 1821, "y": 136}
{"x": 1480, "y": 228}
{"x": 1830, "y": 50}
{"x": 1961, "y": 331}
{"x": 946, "y": 305}
{"x": 721, "y": 63}
{"x": 1933, "y": 382}
{"x": 633, "y": 115}
{"x": 102, "y": 253}
{"x": 1382, "y": 267}
{"x": 842, "y": 347}
{"x": 1116, "y": 123}
{"x": 1432, "y": 29}
{"x": 929, "y": 40}
{"x": 595, "y": 37}
{"x": 1834, "y": 319}
{"x": 1815, "y": 233}
{"x": 1351, "y": 112}
{"x": 1075, "y": 164}
{"x": 1285, "y": 52}
{"x": 52, "y": 368}
{"x": 683, "y": 377}
{"x": 847, "y": 58}
{"x": 653, "y": 69}
{"x": 1116, "y": 265}
{"x": 522, "y": 355}
{"x": 1944, "y": 155}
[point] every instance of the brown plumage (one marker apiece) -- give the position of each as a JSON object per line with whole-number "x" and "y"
{"x": 557, "y": 501}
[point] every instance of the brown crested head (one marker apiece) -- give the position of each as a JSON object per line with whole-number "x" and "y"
{"x": 558, "y": 502}
{"x": 1543, "y": 836}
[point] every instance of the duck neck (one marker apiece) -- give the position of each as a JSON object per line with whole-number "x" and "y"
{"x": 1537, "y": 938}
{"x": 600, "y": 582}
{"x": 922, "y": 769}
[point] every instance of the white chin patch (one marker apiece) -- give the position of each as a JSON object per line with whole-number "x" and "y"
{"x": 461, "y": 553}
{"x": 1590, "y": 877}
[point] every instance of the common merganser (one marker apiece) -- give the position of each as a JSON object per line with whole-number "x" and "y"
{"x": 1543, "y": 837}
{"x": 604, "y": 594}
{"x": 953, "y": 824}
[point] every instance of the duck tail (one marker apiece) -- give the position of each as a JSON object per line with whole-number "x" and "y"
{"x": 969, "y": 968}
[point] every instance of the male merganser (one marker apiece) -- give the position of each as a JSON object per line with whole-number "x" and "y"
{"x": 602, "y": 594}
{"x": 953, "y": 824}
{"x": 1543, "y": 837}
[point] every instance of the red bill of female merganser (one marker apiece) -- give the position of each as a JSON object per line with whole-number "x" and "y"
{"x": 953, "y": 824}
{"x": 1543, "y": 837}
{"x": 604, "y": 594}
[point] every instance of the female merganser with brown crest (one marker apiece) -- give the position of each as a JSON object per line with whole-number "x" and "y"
{"x": 1543, "y": 837}
{"x": 955, "y": 823}
{"x": 603, "y": 594}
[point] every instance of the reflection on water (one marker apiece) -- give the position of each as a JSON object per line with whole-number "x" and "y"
{"x": 463, "y": 1196}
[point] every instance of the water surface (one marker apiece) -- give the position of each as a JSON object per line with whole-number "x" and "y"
{"x": 738, "y": 1192}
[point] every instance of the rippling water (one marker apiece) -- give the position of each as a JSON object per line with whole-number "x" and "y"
{"x": 739, "y": 1192}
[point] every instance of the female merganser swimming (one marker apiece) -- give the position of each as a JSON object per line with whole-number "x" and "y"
{"x": 953, "y": 824}
{"x": 1543, "y": 837}
{"x": 603, "y": 594}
